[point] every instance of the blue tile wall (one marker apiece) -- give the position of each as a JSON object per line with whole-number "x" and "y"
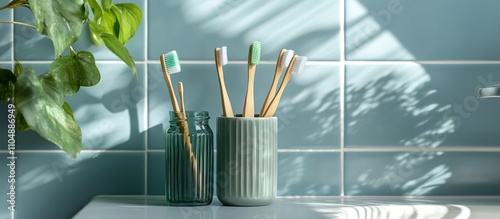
{"x": 4, "y": 173}
{"x": 54, "y": 179}
{"x": 156, "y": 173}
{"x": 111, "y": 114}
{"x": 385, "y": 83}
{"x": 309, "y": 174}
{"x": 421, "y": 30}
{"x": 422, "y": 173}
{"x": 420, "y": 106}
{"x": 6, "y": 40}
{"x": 28, "y": 44}
{"x": 187, "y": 26}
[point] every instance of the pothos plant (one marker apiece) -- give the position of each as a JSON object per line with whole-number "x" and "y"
{"x": 39, "y": 100}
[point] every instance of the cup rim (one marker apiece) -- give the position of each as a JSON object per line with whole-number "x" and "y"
{"x": 239, "y": 117}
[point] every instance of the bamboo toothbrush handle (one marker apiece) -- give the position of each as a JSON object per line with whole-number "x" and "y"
{"x": 227, "y": 110}
{"x": 248, "y": 109}
{"x": 184, "y": 128}
{"x": 272, "y": 89}
{"x": 170, "y": 88}
{"x": 273, "y": 106}
{"x": 187, "y": 140}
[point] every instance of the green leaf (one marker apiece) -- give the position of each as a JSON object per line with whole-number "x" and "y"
{"x": 50, "y": 86}
{"x": 86, "y": 12}
{"x": 110, "y": 22}
{"x": 94, "y": 33}
{"x": 119, "y": 50}
{"x": 21, "y": 123}
{"x": 113, "y": 45}
{"x": 6, "y": 91}
{"x": 68, "y": 110}
{"x": 129, "y": 20}
{"x": 7, "y": 75}
{"x": 96, "y": 9}
{"x": 45, "y": 116}
{"x": 106, "y": 4}
{"x": 7, "y": 81}
{"x": 18, "y": 68}
{"x": 15, "y": 4}
{"x": 71, "y": 72}
{"x": 60, "y": 20}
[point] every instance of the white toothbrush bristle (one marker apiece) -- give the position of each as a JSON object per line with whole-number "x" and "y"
{"x": 287, "y": 57}
{"x": 223, "y": 56}
{"x": 172, "y": 62}
{"x": 299, "y": 64}
{"x": 175, "y": 69}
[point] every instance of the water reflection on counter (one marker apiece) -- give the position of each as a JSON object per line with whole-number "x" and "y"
{"x": 392, "y": 211}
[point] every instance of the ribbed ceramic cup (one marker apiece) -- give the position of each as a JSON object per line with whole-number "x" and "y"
{"x": 247, "y": 160}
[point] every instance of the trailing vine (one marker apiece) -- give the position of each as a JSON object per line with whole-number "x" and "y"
{"x": 39, "y": 100}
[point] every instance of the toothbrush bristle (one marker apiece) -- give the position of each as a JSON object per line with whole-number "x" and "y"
{"x": 255, "y": 59}
{"x": 299, "y": 64}
{"x": 223, "y": 56}
{"x": 287, "y": 57}
{"x": 172, "y": 62}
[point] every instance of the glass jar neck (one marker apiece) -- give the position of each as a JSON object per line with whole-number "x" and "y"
{"x": 192, "y": 117}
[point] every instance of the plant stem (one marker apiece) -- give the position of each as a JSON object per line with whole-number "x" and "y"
{"x": 18, "y": 23}
{"x": 71, "y": 50}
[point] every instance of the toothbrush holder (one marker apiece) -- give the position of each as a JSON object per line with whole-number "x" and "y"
{"x": 189, "y": 167}
{"x": 247, "y": 160}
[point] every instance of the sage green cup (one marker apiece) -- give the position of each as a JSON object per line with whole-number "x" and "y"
{"x": 247, "y": 160}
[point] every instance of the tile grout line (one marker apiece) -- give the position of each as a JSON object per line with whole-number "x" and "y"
{"x": 342, "y": 93}
{"x": 146, "y": 98}
{"x": 13, "y": 215}
{"x": 12, "y": 41}
{"x": 350, "y": 150}
{"x": 309, "y": 62}
{"x": 424, "y": 149}
{"x": 82, "y": 151}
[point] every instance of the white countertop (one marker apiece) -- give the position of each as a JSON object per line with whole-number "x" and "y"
{"x": 458, "y": 207}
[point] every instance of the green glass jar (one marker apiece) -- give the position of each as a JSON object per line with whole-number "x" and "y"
{"x": 189, "y": 160}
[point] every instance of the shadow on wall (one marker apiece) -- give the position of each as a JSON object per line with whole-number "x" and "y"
{"x": 308, "y": 174}
{"x": 389, "y": 106}
{"x": 109, "y": 114}
{"x": 420, "y": 106}
{"x": 70, "y": 183}
{"x": 112, "y": 118}
{"x": 376, "y": 30}
{"x": 236, "y": 23}
{"x": 309, "y": 112}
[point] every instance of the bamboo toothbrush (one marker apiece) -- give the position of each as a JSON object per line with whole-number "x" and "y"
{"x": 284, "y": 59}
{"x": 170, "y": 65}
{"x": 187, "y": 139}
{"x": 296, "y": 66}
{"x": 221, "y": 60}
{"x": 253, "y": 60}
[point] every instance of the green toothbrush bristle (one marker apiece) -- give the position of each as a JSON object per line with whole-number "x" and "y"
{"x": 172, "y": 62}
{"x": 255, "y": 59}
